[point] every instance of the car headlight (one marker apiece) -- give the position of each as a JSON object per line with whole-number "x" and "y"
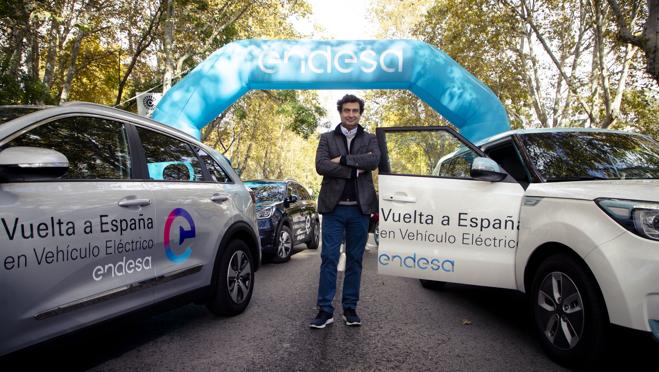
{"x": 265, "y": 212}
{"x": 639, "y": 217}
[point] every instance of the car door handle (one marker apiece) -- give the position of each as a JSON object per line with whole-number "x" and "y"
{"x": 127, "y": 203}
{"x": 400, "y": 197}
{"x": 219, "y": 198}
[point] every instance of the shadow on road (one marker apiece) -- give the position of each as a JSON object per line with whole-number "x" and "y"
{"x": 628, "y": 349}
{"x": 92, "y": 346}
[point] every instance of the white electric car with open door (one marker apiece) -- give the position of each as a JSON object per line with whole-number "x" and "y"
{"x": 568, "y": 216}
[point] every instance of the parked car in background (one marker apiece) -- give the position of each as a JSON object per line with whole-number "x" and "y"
{"x": 568, "y": 216}
{"x": 103, "y": 212}
{"x": 287, "y": 216}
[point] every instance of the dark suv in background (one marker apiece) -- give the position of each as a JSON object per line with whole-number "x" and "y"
{"x": 286, "y": 215}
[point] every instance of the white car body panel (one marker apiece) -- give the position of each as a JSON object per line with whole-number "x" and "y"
{"x": 458, "y": 258}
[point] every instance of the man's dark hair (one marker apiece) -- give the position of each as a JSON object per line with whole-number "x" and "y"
{"x": 350, "y": 98}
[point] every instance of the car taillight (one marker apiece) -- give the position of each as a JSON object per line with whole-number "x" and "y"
{"x": 375, "y": 216}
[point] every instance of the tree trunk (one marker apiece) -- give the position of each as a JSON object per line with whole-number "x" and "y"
{"x": 652, "y": 41}
{"x": 594, "y": 91}
{"x": 617, "y": 100}
{"x": 583, "y": 27}
{"x": 603, "y": 74}
{"x": 75, "y": 49}
{"x": 648, "y": 41}
{"x": 168, "y": 44}
{"x": 51, "y": 54}
{"x": 144, "y": 42}
{"x": 32, "y": 61}
{"x": 16, "y": 55}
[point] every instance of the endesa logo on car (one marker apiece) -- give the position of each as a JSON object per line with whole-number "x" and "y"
{"x": 184, "y": 234}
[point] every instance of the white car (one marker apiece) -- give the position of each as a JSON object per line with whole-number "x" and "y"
{"x": 568, "y": 216}
{"x": 103, "y": 212}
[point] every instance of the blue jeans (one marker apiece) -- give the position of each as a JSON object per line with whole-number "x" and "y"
{"x": 348, "y": 221}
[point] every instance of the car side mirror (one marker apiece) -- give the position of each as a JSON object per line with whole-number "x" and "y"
{"x": 487, "y": 169}
{"x": 23, "y": 163}
{"x": 290, "y": 200}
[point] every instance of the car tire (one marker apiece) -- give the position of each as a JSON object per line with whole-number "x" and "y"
{"x": 432, "y": 284}
{"x": 234, "y": 281}
{"x": 314, "y": 240}
{"x": 569, "y": 313}
{"x": 283, "y": 245}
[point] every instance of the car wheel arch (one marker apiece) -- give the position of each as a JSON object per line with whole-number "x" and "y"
{"x": 551, "y": 249}
{"x": 284, "y": 221}
{"x": 242, "y": 231}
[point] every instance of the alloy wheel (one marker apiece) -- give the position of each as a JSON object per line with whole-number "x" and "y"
{"x": 285, "y": 244}
{"x": 560, "y": 310}
{"x": 239, "y": 277}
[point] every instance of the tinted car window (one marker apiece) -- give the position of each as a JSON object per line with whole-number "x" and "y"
{"x": 301, "y": 192}
{"x": 216, "y": 172}
{"x": 95, "y": 148}
{"x": 568, "y": 156}
{"x": 168, "y": 158}
{"x": 268, "y": 191}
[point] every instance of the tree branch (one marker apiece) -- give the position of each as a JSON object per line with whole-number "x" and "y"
{"x": 624, "y": 34}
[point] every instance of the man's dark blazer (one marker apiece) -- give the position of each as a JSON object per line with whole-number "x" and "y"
{"x": 364, "y": 155}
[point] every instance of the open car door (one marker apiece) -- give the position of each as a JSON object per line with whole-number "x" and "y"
{"x": 447, "y": 212}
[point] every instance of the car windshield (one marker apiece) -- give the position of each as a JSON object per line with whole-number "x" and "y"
{"x": 573, "y": 156}
{"x": 268, "y": 192}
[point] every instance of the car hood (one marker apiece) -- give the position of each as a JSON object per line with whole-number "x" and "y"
{"x": 590, "y": 190}
{"x": 266, "y": 204}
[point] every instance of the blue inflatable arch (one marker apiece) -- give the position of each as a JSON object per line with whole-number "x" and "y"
{"x": 240, "y": 66}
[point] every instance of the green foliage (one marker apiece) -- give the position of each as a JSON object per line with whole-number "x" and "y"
{"x": 270, "y": 134}
{"x": 640, "y": 112}
{"x": 23, "y": 89}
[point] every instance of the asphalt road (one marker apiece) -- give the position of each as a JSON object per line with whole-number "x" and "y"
{"x": 405, "y": 328}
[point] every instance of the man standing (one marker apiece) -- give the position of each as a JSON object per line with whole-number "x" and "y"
{"x": 345, "y": 158}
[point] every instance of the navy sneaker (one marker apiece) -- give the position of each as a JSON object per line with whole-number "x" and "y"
{"x": 322, "y": 319}
{"x": 351, "y": 318}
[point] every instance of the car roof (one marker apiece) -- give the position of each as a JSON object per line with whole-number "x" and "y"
{"x": 86, "y": 108}
{"x": 516, "y": 132}
{"x": 11, "y": 112}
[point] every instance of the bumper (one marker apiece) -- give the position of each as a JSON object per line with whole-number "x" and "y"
{"x": 627, "y": 271}
{"x": 266, "y": 235}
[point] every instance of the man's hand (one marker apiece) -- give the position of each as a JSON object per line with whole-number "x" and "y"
{"x": 336, "y": 160}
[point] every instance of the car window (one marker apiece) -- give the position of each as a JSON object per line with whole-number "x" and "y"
{"x": 428, "y": 153}
{"x": 301, "y": 192}
{"x": 292, "y": 190}
{"x": 570, "y": 156}
{"x": 508, "y": 157}
{"x": 96, "y": 148}
{"x": 169, "y": 158}
{"x": 216, "y": 172}
{"x": 304, "y": 193}
{"x": 267, "y": 191}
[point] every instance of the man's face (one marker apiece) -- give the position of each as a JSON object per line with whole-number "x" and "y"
{"x": 350, "y": 114}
